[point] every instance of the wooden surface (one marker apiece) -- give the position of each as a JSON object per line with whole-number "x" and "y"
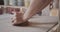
{"x": 6, "y": 25}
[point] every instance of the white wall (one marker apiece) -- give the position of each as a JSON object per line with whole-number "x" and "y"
{"x": 6, "y": 2}
{"x": 46, "y": 11}
{"x": 12, "y": 2}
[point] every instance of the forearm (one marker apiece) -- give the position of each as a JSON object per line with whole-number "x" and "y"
{"x": 34, "y": 7}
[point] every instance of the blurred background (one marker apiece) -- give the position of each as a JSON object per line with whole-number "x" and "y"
{"x": 7, "y": 6}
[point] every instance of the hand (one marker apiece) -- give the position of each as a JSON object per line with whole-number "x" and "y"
{"x": 18, "y": 19}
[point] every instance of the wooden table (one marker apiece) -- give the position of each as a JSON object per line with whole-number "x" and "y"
{"x": 6, "y": 25}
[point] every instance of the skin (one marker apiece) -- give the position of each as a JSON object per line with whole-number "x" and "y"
{"x": 35, "y": 7}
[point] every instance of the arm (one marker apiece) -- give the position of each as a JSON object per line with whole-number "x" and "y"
{"x": 35, "y": 6}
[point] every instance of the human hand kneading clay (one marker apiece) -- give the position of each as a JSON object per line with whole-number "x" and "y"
{"x": 35, "y": 7}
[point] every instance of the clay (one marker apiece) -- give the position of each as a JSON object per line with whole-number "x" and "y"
{"x": 22, "y": 24}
